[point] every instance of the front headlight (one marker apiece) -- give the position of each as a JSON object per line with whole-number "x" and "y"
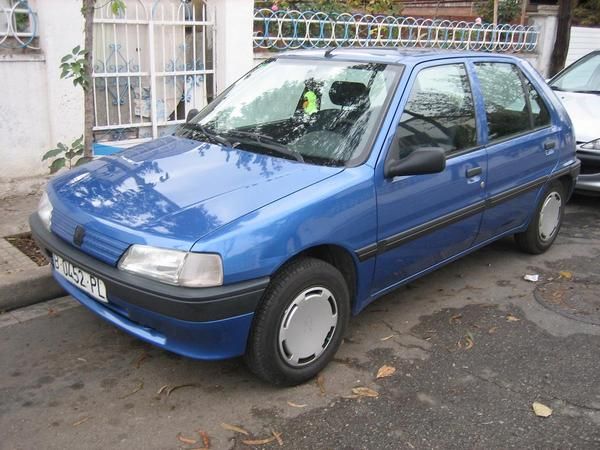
{"x": 174, "y": 266}
{"x": 592, "y": 145}
{"x": 45, "y": 210}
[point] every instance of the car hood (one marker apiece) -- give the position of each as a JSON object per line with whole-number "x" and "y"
{"x": 583, "y": 110}
{"x": 178, "y": 188}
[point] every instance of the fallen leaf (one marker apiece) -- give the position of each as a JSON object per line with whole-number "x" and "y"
{"x": 321, "y": 383}
{"x": 259, "y": 441}
{"x": 234, "y": 428}
{"x": 139, "y": 387}
{"x": 469, "y": 341}
{"x": 365, "y": 392}
{"x": 205, "y": 439}
{"x": 541, "y": 410}
{"x": 385, "y": 371}
{"x": 179, "y": 386}
{"x": 512, "y": 318}
{"x": 140, "y": 359}
{"x": 296, "y": 405}
{"x": 387, "y": 337}
{"x": 278, "y": 438}
{"x": 492, "y": 330}
{"x": 455, "y": 319}
{"x": 79, "y": 422}
{"x": 566, "y": 275}
{"x": 185, "y": 440}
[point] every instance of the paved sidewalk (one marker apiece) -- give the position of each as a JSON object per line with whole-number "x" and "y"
{"x": 22, "y": 281}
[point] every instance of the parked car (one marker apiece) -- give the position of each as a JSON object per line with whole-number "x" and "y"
{"x": 578, "y": 87}
{"x": 317, "y": 183}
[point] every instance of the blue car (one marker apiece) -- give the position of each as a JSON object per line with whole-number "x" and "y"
{"x": 317, "y": 183}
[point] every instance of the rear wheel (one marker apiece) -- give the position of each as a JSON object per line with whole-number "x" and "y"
{"x": 544, "y": 226}
{"x": 299, "y": 324}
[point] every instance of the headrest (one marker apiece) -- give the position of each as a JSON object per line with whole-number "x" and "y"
{"x": 348, "y": 93}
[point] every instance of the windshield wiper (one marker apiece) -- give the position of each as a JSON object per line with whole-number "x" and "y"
{"x": 208, "y": 133}
{"x": 269, "y": 143}
{"x": 590, "y": 91}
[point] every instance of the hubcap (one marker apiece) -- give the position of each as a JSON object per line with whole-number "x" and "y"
{"x": 307, "y": 326}
{"x": 549, "y": 216}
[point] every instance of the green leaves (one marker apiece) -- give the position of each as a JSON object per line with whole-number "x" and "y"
{"x": 52, "y": 153}
{"x": 117, "y": 6}
{"x": 66, "y": 156}
{"x": 57, "y": 164}
{"x": 73, "y": 65}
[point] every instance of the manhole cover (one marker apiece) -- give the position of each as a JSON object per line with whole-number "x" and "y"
{"x": 575, "y": 299}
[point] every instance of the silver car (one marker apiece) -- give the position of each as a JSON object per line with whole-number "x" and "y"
{"x": 578, "y": 86}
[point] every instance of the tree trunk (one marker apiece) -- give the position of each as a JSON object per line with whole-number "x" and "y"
{"x": 88, "y": 93}
{"x": 563, "y": 35}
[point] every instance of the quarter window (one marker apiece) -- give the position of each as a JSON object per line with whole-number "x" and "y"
{"x": 505, "y": 103}
{"x": 539, "y": 111}
{"x": 439, "y": 112}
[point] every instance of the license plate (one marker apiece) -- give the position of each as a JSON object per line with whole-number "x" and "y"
{"x": 85, "y": 281}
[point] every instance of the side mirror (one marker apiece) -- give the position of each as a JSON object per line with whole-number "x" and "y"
{"x": 422, "y": 161}
{"x": 191, "y": 114}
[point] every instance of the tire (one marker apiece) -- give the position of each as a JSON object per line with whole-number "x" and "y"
{"x": 305, "y": 290}
{"x": 537, "y": 239}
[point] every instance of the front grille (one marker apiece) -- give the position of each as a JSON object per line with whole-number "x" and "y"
{"x": 98, "y": 245}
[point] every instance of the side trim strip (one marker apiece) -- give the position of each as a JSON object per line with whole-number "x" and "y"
{"x": 429, "y": 227}
{"x": 515, "y": 192}
{"x": 396, "y": 240}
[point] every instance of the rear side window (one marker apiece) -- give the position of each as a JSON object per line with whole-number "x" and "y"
{"x": 504, "y": 98}
{"x": 439, "y": 112}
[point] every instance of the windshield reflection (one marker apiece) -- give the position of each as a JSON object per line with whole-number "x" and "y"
{"x": 320, "y": 113}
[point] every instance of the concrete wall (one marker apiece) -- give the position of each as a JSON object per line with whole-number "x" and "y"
{"x": 583, "y": 40}
{"x": 234, "y": 48}
{"x": 37, "y": 108}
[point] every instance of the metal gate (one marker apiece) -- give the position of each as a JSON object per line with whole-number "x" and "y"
{"x": 152, "y": 64}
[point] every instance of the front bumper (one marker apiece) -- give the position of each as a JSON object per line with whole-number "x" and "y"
{"x": 589, "y": 178}
{"x": 203, "y": 323}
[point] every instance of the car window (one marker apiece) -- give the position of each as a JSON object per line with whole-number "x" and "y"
{"x": 439, "y": 112}
{"x": 505, "y": 103}
{"x": 539, "y": 111}
{"x": 583, "y": 76}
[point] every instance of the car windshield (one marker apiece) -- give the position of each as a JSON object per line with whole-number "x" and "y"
{"x": 583, "y": 76}
{"x": 323, "y": 112}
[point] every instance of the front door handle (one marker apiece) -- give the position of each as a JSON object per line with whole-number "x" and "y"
{"x": 549, "y": 145}
{"x": 473, "y": 172}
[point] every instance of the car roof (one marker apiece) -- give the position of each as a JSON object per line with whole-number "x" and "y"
{"x": 386, "y": 55}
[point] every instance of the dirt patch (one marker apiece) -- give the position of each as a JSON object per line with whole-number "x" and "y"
{"x": 25, "y": 243}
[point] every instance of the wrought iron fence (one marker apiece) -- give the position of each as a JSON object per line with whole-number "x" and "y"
{"x": 18, "y": 24}
{"x": 291, "y": 29}
{"x": 153, "y": 63}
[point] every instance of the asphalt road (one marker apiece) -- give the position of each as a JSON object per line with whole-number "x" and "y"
{"x": 472, "y": 347}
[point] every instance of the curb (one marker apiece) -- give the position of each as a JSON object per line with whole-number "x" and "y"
{"x": 27, "y": 288}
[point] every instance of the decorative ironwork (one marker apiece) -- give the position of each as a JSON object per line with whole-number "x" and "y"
{"x": 153, "y": 62}
{"x": 18, "y": 24}
{"x": 291, "y": 29}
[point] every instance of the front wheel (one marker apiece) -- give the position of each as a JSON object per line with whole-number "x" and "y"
{"x": 299, "y": 324}
{"x": 544, "y": 226}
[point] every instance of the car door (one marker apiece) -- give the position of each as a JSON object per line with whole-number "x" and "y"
{"x": 426, "y": 219}
{"x": 522, "y": 146}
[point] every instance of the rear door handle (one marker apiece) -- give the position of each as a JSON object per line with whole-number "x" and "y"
{"x": 473, "y": 172}
{"x": 549, "y": 145}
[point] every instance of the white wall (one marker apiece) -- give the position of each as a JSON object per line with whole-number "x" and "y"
{"x": 234, "y": 48}
{"x": 37, "y": 108}
{"x": 583, "y": 40}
